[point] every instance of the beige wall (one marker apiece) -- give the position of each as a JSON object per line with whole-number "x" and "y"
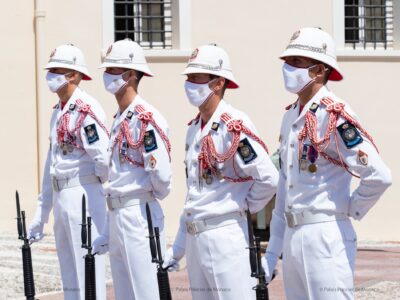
{"x": 254, "y": 35}
{"x": 18, "y": 150}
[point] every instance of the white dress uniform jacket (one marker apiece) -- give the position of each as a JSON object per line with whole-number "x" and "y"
{"x": 218, "y": 261}
{"x": 86, "y": 159}
{"x": 318, "y": 259}
{"x": 137, "y": 175}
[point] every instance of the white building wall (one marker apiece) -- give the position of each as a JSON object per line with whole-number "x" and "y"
{"x": 254, "y": 33}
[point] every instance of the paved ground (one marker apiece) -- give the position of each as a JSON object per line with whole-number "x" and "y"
{"x": 377, "y": 273}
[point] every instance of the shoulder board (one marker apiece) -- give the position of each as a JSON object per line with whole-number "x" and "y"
{"x": 140, "y": 109}
{"x": 56, "y": 106}
{"x": 195, "y": 120}
{"x": 327, "y": 101}
{"x": 226, "y": 118}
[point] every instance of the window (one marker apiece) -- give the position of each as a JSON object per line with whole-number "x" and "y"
{"x": 366, "y": 27}
{"x": 369, "y": 24}
{"x": 147, "y": 22}
{"x": 161, "y": 27}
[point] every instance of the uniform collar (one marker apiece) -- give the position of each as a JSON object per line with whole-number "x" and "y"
{"x": 215, "y": 118}
{"x": 322, "y": 93}
{"x": 71, "y": 101}
{"x": 121, "y": 116}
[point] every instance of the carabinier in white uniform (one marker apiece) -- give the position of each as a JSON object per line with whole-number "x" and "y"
{"x": 140, "y": 172}
{"x": 322, "y": 144}
{"x": 77, "y": 164}
{"x": 228, "y": 171}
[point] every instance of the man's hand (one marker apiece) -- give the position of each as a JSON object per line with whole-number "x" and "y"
{"x": 172, "y": 258}
{"x": 100, "y": 245}
{"x": 268, "y": 262}
{"x": 35, "y": 231}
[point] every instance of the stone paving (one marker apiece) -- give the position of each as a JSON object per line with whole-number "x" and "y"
{"x": 377, "y": 272}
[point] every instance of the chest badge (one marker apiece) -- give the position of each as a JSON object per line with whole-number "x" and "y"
{"x": 362, "y": 157}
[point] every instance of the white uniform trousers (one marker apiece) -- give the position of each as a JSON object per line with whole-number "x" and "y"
{"x": 134, "y": 275}
{"x": 218, "y": 264}
{"x": 67, "y": 233}
{"x": 318, "y": 261}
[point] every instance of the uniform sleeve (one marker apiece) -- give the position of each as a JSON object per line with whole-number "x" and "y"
{"x": 95, "y": 141}
{"x": 180, "y": 238}
{"x": 278, "y": 223}
{"x": 45, "y": 199}
{"x": 263, "y": 172}
{"x": 157, "y": 163}
{"x": 375, "y": 176}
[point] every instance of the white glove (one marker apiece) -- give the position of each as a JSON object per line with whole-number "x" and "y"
{"x": 100, "y": 245}
{"x": 35, "y": 231}
{"x": 268, "y": 262}
{"x": 172, "y": 258}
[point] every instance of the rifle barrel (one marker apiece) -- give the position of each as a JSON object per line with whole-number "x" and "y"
{"x": 153, "y": 247}
{"x": 252, "y": 250}
{"x": 83, "y": 229}
{"x": 19, "y": 223}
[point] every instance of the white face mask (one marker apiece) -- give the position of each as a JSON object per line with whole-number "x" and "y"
{"x": 113, "y": 83}
{"x": 56, "y": 81}
{"x": 296, "y": 79}
{"x": 198, "y": 93}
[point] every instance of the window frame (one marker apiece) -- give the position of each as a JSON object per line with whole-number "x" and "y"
{"x": 339, "y": 35}
{"x": 181, "y": 27}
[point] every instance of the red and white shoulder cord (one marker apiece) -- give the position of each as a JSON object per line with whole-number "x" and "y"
{"x": 65, "y": 135}
{"x": 209, "y": 157}
{"x": 335, "y": 110}
{"x": 145, "y": 117}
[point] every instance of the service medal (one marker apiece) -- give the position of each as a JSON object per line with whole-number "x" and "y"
{"x": 312, "y": 168}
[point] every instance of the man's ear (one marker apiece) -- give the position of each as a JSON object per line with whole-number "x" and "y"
{"x": 75, "y": 77}
{"x": 132, "y": 75}
{"x": 220, "y": 83}
{"x": 318, "y": 71}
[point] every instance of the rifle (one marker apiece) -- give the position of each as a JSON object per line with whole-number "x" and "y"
{"x": 156, "y": 257}
{"x": 29, "y": 284}
{"x": 90, "y": 266}
{"x": 257, "y": 270}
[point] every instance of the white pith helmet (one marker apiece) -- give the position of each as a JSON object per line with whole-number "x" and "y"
{"x": 316, "y": 44}
{"x": 211, "y": 59}
{"x": 69, "y": 57}
{"x": 126, "y": 54}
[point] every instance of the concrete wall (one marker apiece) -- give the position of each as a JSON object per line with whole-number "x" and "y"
{"x": 254, "y": 34}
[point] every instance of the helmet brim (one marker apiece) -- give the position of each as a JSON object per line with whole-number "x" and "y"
{"x": 83, "y": 70}
{"x": 137, "y": 67}
{"x": 232, "y": 84}
{"x": 336, "y": 74}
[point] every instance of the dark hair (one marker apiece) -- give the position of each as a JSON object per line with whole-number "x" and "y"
{"x": 139, "y": 75}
